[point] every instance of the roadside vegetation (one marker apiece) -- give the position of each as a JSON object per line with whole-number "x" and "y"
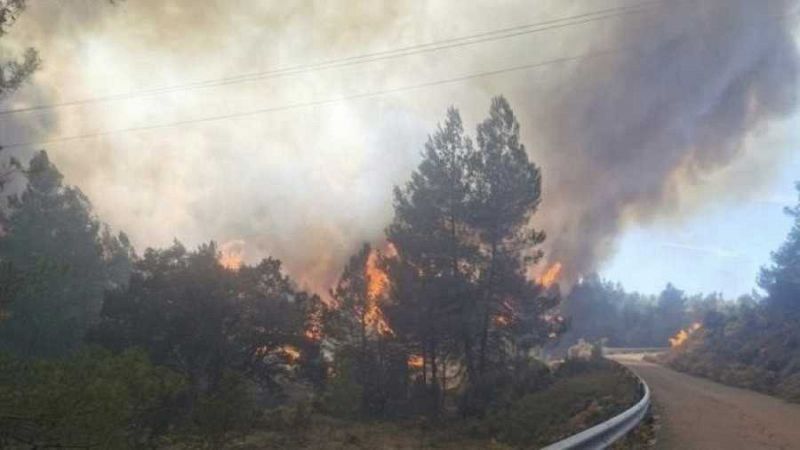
{"x": 571, "y": 398}
{"x": 754, "y": 344}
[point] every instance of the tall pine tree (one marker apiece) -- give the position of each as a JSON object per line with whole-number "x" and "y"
{"x": 463, "y": 234}
{"x": 62, "y": 262}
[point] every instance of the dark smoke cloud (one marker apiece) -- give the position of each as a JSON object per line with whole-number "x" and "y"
{"x": 624, "y": 133}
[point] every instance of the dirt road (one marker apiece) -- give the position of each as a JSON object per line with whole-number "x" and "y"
{"x": 696, "y": 413}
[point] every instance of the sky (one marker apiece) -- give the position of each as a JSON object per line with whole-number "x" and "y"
{"x": 668, "y": 159}
{"x": 719, "y": 249}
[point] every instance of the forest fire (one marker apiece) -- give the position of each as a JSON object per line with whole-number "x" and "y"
{"x": 505, "y": 316}
{"x": 683, "y": 335}
{"x": 416, "y": 361}
{"x": 551, "y": 275}
{"x": 289, "y": 353}
{"x": 377, "y": 287}
{"x": 231, "y": 254}
{"x": 256, "y": 245}
{"x": 501, "y": 321}
{"x": 313, "y": 331}
{"x": 292, "y": 354}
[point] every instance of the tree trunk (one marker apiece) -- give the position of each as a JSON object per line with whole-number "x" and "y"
{"x": 486, "y": 309}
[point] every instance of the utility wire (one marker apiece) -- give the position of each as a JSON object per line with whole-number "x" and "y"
{"x": 363, "y": 95}
{"x": 308, "y": 104}
{"x": 462, "y": 41}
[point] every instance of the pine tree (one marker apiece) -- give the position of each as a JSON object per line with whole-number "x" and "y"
{"x": 429, "y": 232}
{"x": 53, "y": 243}
{"x": 507, "y": 189}
{"x": 781, "y": 280}
{"x": 463, "y": 234}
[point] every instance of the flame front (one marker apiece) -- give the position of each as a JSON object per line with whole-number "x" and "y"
{"x": 683, "y": 335}
{"x": 231, "y": 254}
{"x": 377, "y": 287}
{"x": 416, "y": 361}
{"x": 501, "y": 321}
{"x": 313, "y": 331}
{"x": 291, "y": 353}
{"x": 505, "y": 316}
{"x": 551, "y": 275}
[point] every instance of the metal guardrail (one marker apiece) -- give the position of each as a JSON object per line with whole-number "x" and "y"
{"x": 603, "y": 435}
{"x": 626, "y": 350}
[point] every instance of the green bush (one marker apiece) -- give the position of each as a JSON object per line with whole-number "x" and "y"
{"x": 92, "y": 399}
{"x": 343, "y": 394}
{"x": 583, "y": 394}
{"x": 789, "y": 388}
{"x": 502, "y": 387}
{"x": 224, "y": 412}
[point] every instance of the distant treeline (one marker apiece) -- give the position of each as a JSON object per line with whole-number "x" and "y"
{"x": 598, "y": 310}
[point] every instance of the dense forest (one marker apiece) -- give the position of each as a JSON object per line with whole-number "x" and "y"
{"x": 106, "y": 347}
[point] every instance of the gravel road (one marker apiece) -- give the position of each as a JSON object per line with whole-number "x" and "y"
{"x": 696, "y": 413}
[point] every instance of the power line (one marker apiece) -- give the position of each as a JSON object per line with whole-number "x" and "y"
{"x": 368, "y": 94}
{"x": 308, "y": 104}
{"x": 466, "y": 40}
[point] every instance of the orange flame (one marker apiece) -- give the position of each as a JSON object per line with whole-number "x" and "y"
{"x": 683, "y": 335}
{"x": 313, "y": 331}
{"x": 377, "y": 287}
{"x": 415, "y": 361}
{"x": 501, "y": 321}
{"x": 505, "y": 317}
{"x": 550, "y": 276}
{"x": 291, "y": 353}
{"x": 231, "y": 254}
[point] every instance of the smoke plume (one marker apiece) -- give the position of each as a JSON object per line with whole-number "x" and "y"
{"x": 619, "y": 137}
{"x": 625, "y": 133}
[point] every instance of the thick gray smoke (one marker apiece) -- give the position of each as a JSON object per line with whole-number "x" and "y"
{"x": 619, "y": 137}
{"x": 624, "y": 133}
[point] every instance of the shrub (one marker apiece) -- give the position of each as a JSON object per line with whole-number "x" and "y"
{"x": 226, "y": 411}
{"x": 789, "y": 388}
{"x": 502, "y": 387}
{"x": 343, "y": 394}
{"x": 583, "y": 393}
{"x": 92, "y": 399}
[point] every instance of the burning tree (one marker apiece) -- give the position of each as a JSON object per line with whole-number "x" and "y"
{"x": 506, "y": 194}
{"x": 464, "y": 241}
{"x": 190, "y": 313}
{"x": 682, "y": 336}
{"x": 359, "y": 333}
